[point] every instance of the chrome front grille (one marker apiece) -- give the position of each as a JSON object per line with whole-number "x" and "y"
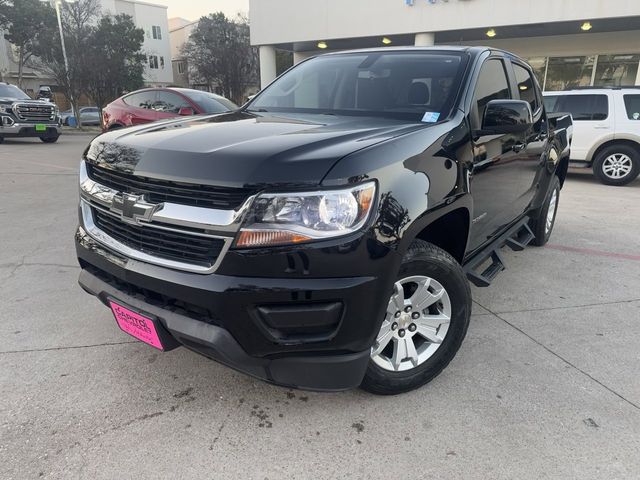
{"x": 182, "y": 237}
{"x": 170, "y": 244}
{"x": 30, "y": 112}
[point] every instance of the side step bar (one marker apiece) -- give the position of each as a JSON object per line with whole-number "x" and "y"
{"x": 516, "y": 238}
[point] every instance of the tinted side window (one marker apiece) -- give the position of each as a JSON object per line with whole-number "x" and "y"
{"x": 583, "y": 107}
{"x": 526, "y": 86}
{"x": 141, "y": 99}
{"x": 492, "y": 85}
{"x": 170, "y": 102}
{"x": 632, "y": 102}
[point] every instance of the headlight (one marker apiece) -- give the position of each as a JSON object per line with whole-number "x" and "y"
{"x": 290, "y": 218}
{"x": 5, "y": 109}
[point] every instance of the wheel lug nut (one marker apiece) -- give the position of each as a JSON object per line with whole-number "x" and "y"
{"x": 412, "y": 327}
{"x": 398, "y": 314}
{"x": 407, "y": 309}
{"x": 394, "y": 326}
{"x": 415, "y": 315}
{"x": 401, "y": 332}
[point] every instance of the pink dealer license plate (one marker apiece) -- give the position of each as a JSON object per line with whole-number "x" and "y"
{"x": 136, "y": 325}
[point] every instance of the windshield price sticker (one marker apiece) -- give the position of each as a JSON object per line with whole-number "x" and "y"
{"x": 431, "y": 117}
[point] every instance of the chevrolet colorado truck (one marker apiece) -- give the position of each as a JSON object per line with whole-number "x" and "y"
{"x": 323, "y": 236}
{"x": 20, "y": 116}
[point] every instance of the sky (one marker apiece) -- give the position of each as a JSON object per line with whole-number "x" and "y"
{"x": 194, "y": 9}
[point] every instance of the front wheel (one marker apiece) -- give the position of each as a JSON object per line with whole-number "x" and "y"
{"x": 50, "y": 139}
{"x": 426, "y": 320}
{"x": 617, "y": 165}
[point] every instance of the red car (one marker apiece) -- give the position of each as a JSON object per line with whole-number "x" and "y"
{"x": 151, "y": 104}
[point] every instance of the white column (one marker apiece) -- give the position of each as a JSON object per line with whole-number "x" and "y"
{"x": 298, "y": 57}
{"x": 267, "y": 65}
{"x": 425, "y": 39}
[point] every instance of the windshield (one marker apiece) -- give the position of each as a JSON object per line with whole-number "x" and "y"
{"x": 211, "y": 103}
{"x": 9, "y": 91}
{"x": 415, "y": 86}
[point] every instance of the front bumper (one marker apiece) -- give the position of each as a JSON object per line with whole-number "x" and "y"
{"x": 21, "y": 129}
{"x": 321, "y": 341}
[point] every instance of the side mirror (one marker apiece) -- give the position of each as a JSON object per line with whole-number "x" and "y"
{"x": 185, "y": 111}
{"x": 507, "y": 116}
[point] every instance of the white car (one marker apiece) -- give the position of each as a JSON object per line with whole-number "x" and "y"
{"x": 606, "y": 130}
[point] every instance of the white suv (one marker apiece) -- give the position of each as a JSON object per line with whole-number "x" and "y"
{"x": 606, "y": 130}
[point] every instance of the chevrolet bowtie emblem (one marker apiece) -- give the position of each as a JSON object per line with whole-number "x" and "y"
{"x": 133, "y": 208}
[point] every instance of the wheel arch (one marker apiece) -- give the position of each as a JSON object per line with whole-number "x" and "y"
{"x": 633, "y": 143}
{"x": 561, "y": 170}
{"x": 447, "y": 229}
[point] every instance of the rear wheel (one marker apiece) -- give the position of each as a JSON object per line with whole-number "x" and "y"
{"x": 542, "y": 225}
{"x": 426, "y": 320}
{"x": 50, "y": 139}
{"x": 617, "y": 165}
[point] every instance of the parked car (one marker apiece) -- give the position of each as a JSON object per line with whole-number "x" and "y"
{"x": 88, "y": 116}
{"x": 606, "y": 130}
{"x": 322, "y": 236}
{"x": 151, "y": 104}
{"x": 45, "y": 93}
{"x": 20, "y": 116}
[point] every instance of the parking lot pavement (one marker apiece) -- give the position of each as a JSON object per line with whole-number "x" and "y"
{"x": 545, "y": 386}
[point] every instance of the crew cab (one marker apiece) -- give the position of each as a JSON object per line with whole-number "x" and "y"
{"x": 324, "y": 235}
{"x": 20, "y": 116}
{"x": 606, "y": 124}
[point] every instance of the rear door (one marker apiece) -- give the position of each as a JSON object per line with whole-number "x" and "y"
{"x": 141, "y": 107}
{"x": 496, "y": 177}
{"x": 593, "y": 116}
{"x": 536, "y": 138}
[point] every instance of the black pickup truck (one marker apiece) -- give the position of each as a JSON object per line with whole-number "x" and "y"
{"x": 20, "y": 116}
{"x": 323, "y": 235}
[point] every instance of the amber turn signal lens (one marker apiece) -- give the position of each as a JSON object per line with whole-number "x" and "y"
{"x": 266, "y": 238}
{"x": 365, "y": 197}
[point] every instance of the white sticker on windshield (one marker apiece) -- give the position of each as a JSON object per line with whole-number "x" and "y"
{"x": 431, "y": 117}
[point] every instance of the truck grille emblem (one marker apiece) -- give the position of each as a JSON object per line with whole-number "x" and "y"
{"x": 133, "y": 208}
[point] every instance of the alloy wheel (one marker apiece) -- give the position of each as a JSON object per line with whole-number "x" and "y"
{"x": 415, "y": 324}
{"x": 551, "y": 212}
{"x": 617, "y": 166}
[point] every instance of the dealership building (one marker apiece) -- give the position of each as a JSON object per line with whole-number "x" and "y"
{"x": 569, "y": 43}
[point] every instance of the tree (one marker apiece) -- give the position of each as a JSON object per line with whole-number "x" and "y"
{"x": 220, "y": 54}
{"x": 26, "y": 22}
{"x": 114, "y": 59}
{"x": 78, "y": 20}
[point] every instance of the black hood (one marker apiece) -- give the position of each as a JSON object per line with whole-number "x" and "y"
{"x": 240, "y": 148}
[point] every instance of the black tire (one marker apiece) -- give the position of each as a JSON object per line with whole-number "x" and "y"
{"x": 426, "y": 259}
{"x": 627, "y": 151}
{"x": 539, "y": 223}
{"x": 50, "y": 139}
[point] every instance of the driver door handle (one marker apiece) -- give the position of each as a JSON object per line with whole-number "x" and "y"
{"x": 518, "y": 147}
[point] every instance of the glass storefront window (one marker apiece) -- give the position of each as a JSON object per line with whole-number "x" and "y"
{"x": 616, "y": 70}
{"x": 569, "y": 72}
{"x": 539, "y": 65}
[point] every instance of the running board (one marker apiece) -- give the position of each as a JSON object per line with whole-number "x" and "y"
{"x": 516, "y": 238}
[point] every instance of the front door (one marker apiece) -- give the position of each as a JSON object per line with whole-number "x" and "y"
{"x": 496, "y": 176}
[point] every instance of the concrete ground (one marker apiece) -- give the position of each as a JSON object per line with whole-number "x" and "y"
{"x": 546, "y": 384}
